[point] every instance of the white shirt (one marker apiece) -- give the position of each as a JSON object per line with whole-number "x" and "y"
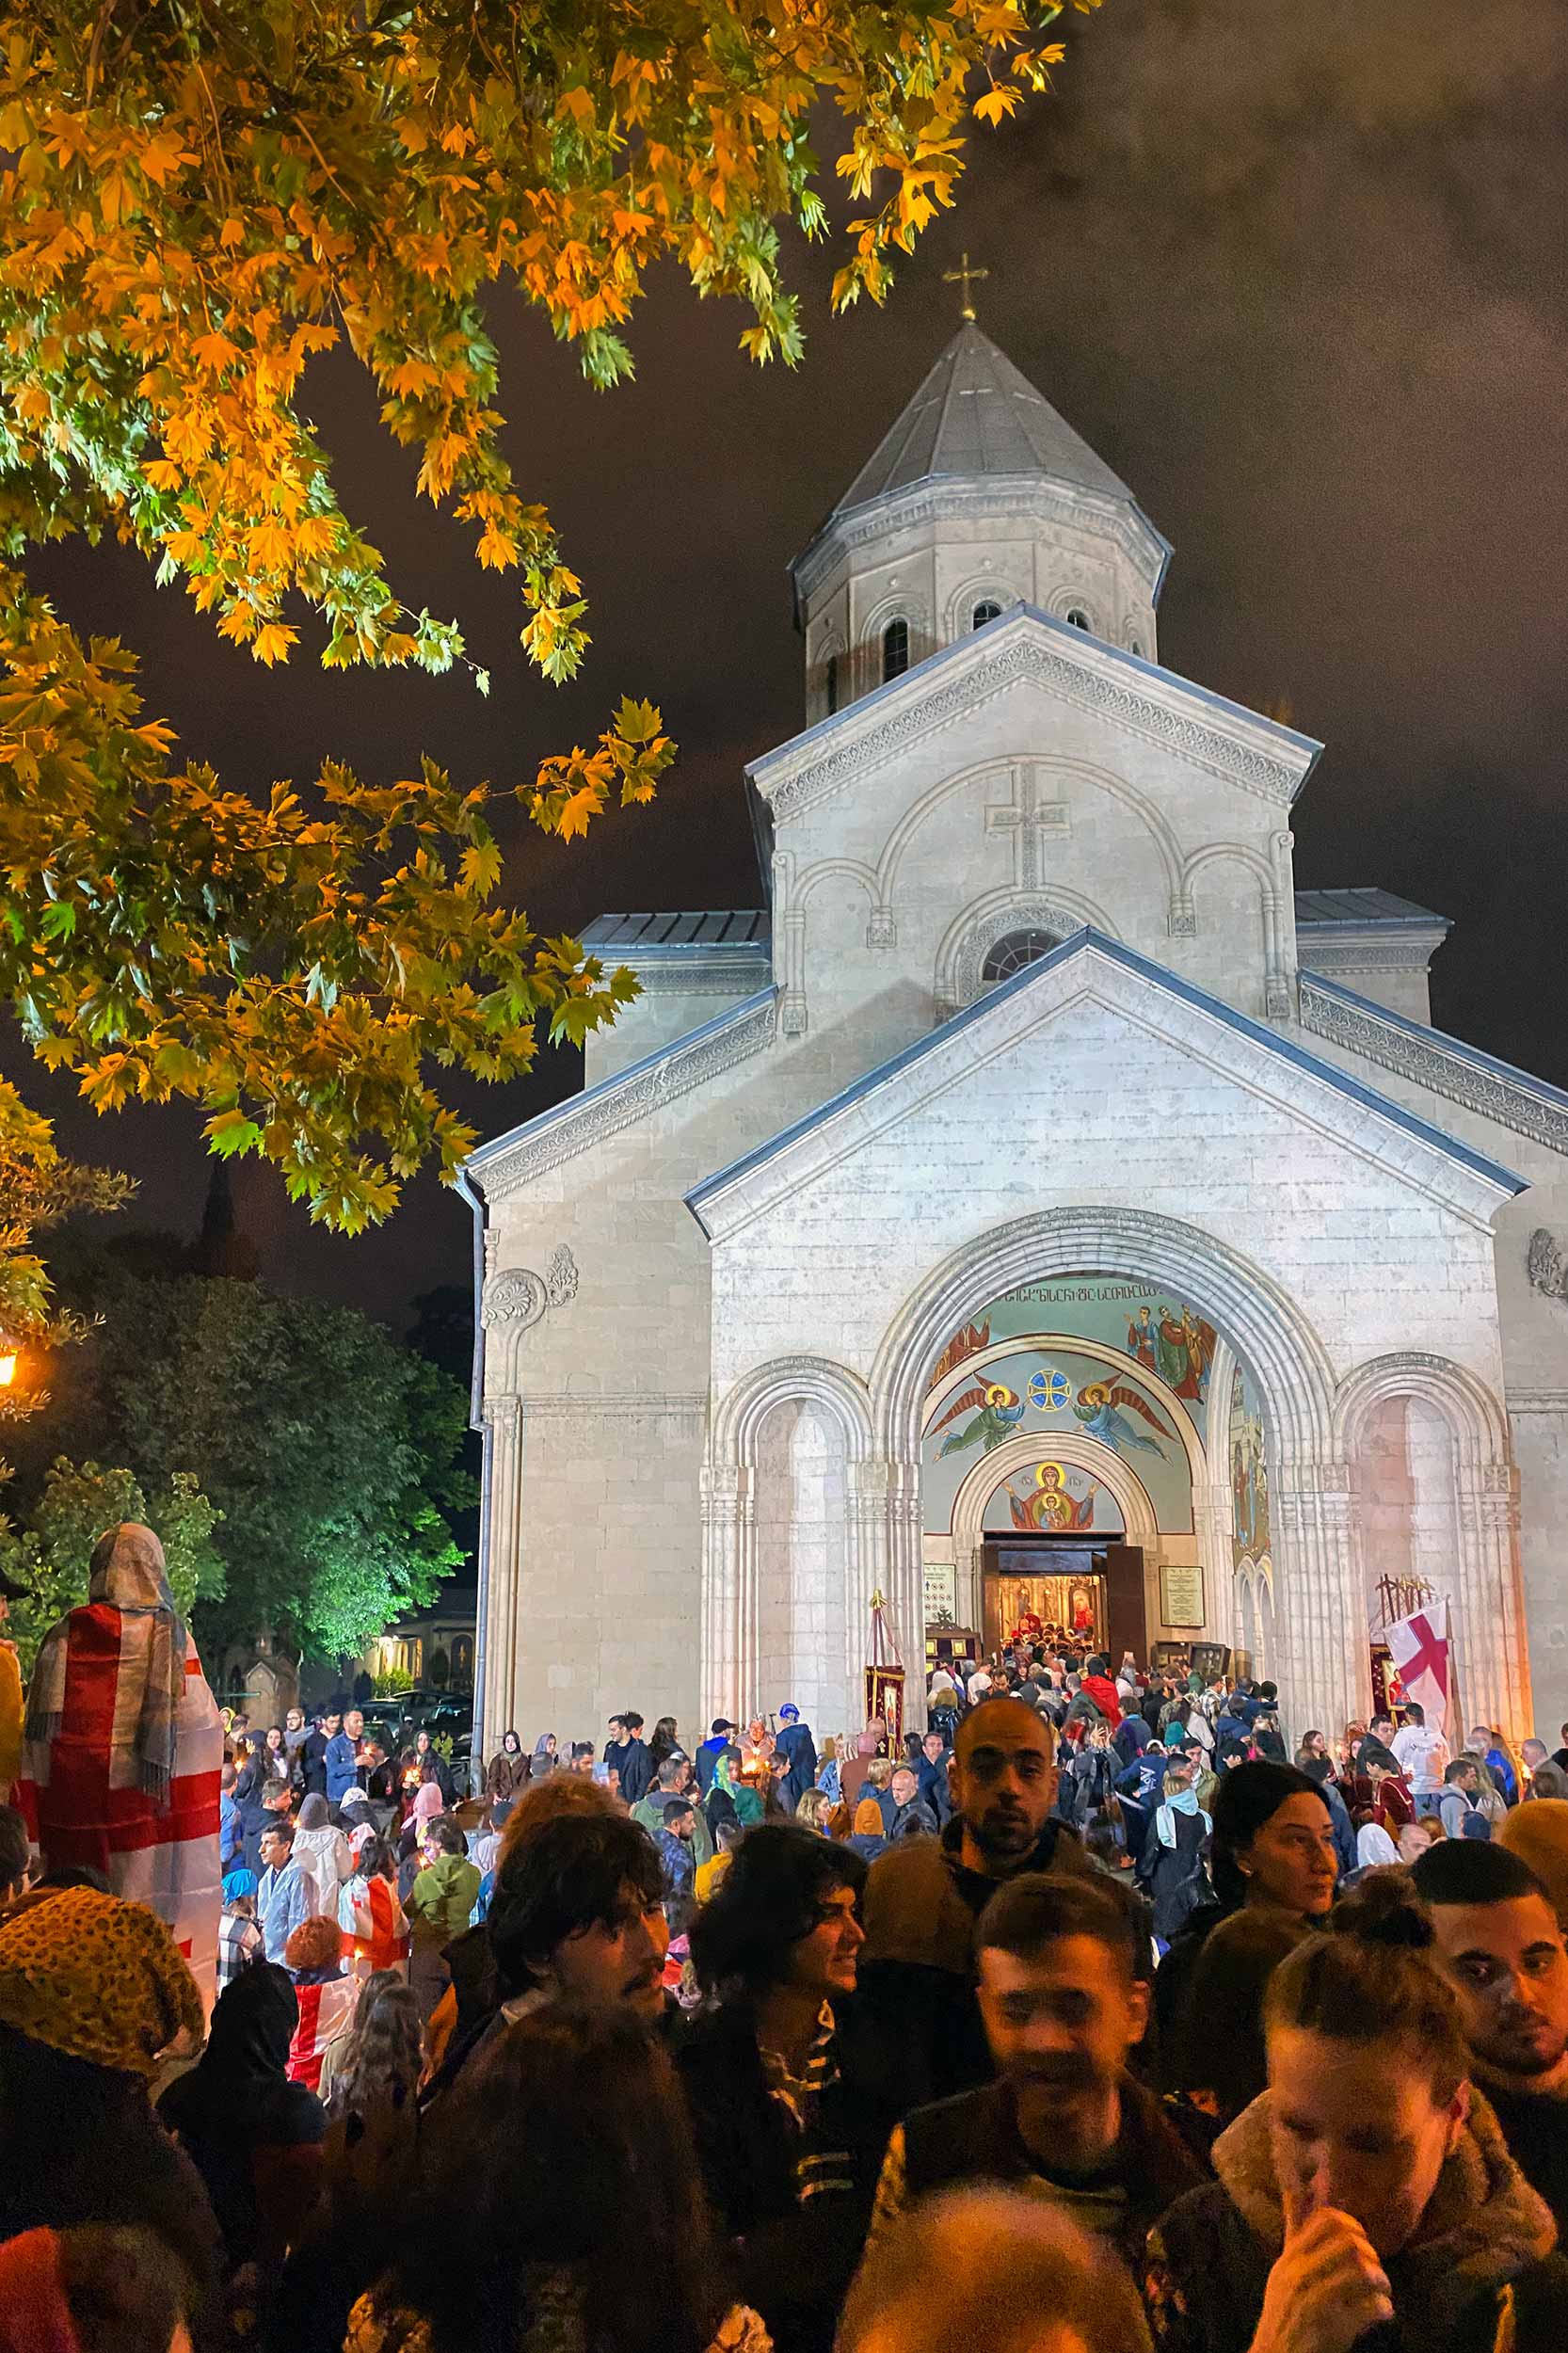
{"x": 1423, "y": 1757}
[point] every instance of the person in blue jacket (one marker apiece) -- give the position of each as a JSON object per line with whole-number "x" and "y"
{"x": 342, "y": 1757}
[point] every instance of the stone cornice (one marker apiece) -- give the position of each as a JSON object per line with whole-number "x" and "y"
{"x": 1014, "y": 497}
{"x": 702, "y": 974}
{"x": 1435, "y": 1062}
{"x": 1405, "y": 954}
{"x": 1090, "y": 680}
{"x": 618, "y": 1103}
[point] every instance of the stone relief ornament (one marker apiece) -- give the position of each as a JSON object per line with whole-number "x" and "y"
{"x": 1545, "y": 1265}
{"x": 520, "y": 1297}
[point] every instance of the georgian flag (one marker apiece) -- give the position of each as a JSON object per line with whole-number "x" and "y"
{"x": 1418, "y": 1646}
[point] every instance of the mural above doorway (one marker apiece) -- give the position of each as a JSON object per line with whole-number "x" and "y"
{"x": 1168, "y": 1336}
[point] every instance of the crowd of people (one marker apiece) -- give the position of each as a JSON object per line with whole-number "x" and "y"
{"x": 1096, "y": 2013}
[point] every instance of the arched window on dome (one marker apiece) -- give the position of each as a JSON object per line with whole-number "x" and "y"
{"x": 832, "y": 684}
{"x": 986, "y": 609}
{"x": 1135, "y": 646}
{"x": 895, "y": 650}
{"x": 1014, "y": 950}
{"x": 1077, "y": 617}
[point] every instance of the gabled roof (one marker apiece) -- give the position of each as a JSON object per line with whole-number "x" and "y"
{"x": 1246, "y": 747}
{"x": 855, "y": 1101}
{"x": 1357, "y": 909}
{"x": 976, "y": 415}
{"x": 641, "y": 935}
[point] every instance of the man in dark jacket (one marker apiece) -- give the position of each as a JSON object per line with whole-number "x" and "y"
{"x": 925, "y": 1896}
{"x": 635, "y": 1761}
{"x": 1065, "y": 2001}
{"x": 793, "y": 1742}
{"x": 933, "y": 1773}
{"x": 1502, "y": 1952}
{"x": 710, "y": 1752}
{"x": 313, "y": 1755}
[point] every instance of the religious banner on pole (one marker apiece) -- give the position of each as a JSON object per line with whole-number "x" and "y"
{"x": 884, "y": 1678}
{"x": 1418, "y": 1648}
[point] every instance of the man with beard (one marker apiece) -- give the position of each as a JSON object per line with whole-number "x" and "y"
{"x": 1502, "y": 1952}
{"x": 925, "y": 1896}
{"x": 1064, "y": 1997}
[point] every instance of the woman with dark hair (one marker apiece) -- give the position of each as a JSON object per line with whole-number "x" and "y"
{"x": 253, "y": 2136}
{"x": 580, "y": 2221}
{"x": 510, "y": 1770}
{"x": 1368, "y": 2189}
{"x": 787, "y": 2137}
{"x": 1272, "y": 1844}
{"x": 381, "y": 2057}
{"x": 1393, "y": 1806}
{"x": 664, "y": 1742}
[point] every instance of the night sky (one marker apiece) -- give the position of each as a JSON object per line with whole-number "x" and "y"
{"x": 1297, "y": 273}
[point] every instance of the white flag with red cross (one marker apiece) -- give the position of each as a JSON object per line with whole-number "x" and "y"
{"x": 1418, "y": 1646}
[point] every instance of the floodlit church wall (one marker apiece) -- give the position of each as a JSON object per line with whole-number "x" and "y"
{"x": 1534, "y": 1318}
{"x": 1035, "y": 805}
{"x": 933, "y": 572}
{"x": 828, "y": 1263}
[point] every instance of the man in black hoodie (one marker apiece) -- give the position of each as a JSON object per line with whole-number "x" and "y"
{"x": 925, "y": 1896}
{"x": 1502, "y": 1952}
{"x": 627, "y": 1754}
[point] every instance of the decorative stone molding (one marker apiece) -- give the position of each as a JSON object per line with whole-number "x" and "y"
{"x": 882, "y": 929}
{"x": 1010, "y": 497}
{"x": 1182, "y": 922}
{"x": 622, "y": 1102}
{"x": 1545, "y": 1265}
{"x": 1330, "y": 956}
{"x": 1277, "y": 997}
{"x": 1433, "y": 1062}
{"x": 689, "y": 1405}
{"x": 1082, "y": 681}
{"x": 739, "y": 975}
{"x": 519, "y": 1297}
{"x": 963, "y": 983}
{"x": 560, "y": 1277}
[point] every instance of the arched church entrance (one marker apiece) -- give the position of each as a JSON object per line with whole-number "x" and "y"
{"x": 1064, "y": 1467}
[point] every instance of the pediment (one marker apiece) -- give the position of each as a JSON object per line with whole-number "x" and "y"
{"x": 1203, "y": 1048}
{"x": 1033, "y": 648}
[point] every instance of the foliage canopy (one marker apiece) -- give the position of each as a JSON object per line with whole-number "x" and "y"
{"x": 199, "y": 197}
{"x": 331, "y": 1452}
{"x": 51, "y": 1550}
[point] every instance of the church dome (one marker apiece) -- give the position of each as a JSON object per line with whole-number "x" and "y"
{"x": 980, "y": 496}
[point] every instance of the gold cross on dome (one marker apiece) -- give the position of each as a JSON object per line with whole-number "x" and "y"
{"x": 967, "y": 279}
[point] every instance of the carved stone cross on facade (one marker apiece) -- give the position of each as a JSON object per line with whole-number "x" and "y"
{"x": 1030, "y": 821}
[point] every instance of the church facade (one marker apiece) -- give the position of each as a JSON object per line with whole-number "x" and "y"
{"x": 1038, "y": 1167}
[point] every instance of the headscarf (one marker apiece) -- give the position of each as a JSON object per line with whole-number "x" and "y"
{"x": 1179, "y": 1801}
{"x": 748, "y": 1805}
{"x": 239, "y": 1883}
{"x": 1374, "y": 1848}
{"x": 428, "y": 1801}
{"x": 35, "y": 2316}
{"x": 314, "y": 1814}
{"x": 129, "y": 1573}
{"x": 100, "y": 1979}
{"x": 542, "y": 1761}
{"x": 868, "y": 1819}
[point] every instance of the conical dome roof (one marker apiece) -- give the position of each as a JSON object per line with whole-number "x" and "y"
{"x": 976, "y": 415}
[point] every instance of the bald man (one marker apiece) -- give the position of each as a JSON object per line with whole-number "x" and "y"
{"x": 925, "y": 1896}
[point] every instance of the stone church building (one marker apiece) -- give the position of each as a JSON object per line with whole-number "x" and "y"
{"x": 1038, "y": 1171}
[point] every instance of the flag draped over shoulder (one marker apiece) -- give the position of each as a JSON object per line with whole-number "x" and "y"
{"x": 124, "y": 1748}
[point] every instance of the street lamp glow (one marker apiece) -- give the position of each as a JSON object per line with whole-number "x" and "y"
{"x": 7, "y": 1365}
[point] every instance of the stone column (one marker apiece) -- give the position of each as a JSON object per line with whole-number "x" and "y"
{"x": 1324, "y": 1673}
{"x": 885, "y": 1556}
{"x": 729, "y": 1611}
{"x": 1211, "y": 1524}
{"x": 1490, "y": 1643}
{"x": 504, "y": 1558}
